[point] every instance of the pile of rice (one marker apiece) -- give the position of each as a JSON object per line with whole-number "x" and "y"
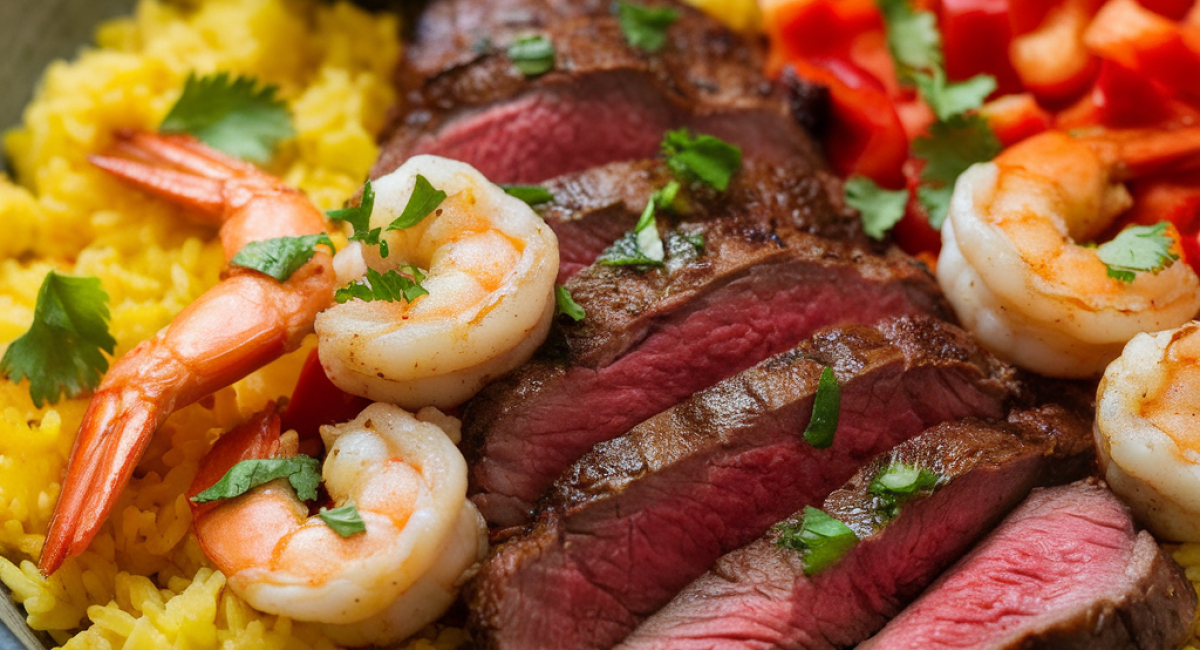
{"x": 144, "y": 582}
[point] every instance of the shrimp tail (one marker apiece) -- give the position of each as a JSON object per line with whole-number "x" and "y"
{"x": 116, "y": 429}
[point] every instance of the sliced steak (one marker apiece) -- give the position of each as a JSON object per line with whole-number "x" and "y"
{"x": 1066, "y": 570}
{"x": 654, "y": 337}
{"x": 604, "y": 101}
{"x": 641, "y": 516}
{"x": 758, "y": 597}
{"x": 591, "y": 209}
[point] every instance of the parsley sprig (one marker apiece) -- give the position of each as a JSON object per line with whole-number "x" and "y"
{"x": 642, "y": 246}
{"x": 391, "y": 286}
{"x": 233, "y": 114}
{"x": 1138, "y": 249}
{"x": 645, "y": 27}
{"x": 61, "y": 352}
{"x": 280, "y": 257}
{"x": 701, "y": 158}
{"x": 359, "y": 218}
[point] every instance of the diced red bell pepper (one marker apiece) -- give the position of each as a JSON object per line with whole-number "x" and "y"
{"x": 1173, "y": 9}
{"x": 316, "y": 401}
{"x": 866, "y": 136}
{"x": 1143, "y": 41}
{"x": 913, "y": 234}
{"x": 1051, "y": 60}
{"x": 1015, "y": 117}
{"x": 799, "y": 29}
{"x": 976, "y": 35}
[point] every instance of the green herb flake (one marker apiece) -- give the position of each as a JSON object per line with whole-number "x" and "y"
{"x": 1138, "y": 249}
{"x": 565, "y": 304}
{"x": 345, "y": 521}
{"x": 703, "y": 158}
{"x": 533, "y": 55}
{"x": 359, "y": 218}
{"x": 61, "y": 351}
{"x": 642, "y": 246}
{"x": 530, "y": 194}
{"x": 912, "y": 37}
{"x": 645, "y": 27}
{"x": 826, "y": 407}
{"x": 233, "y": 115}
{"x": 898, "y": 482}
{"x": 948, "y": 150}
{"x": 302, "y": 472}
{"x": 391, "y": 286}
{"x": 423, "y": 201}
{"x": 881, "y": 209}
{"x": 282, "y": 256}
{"x": 820, "y": 539}
{"x": 948, "y": 99}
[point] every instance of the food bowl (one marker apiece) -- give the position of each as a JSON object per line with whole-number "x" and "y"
{"x": 32, "y": 34}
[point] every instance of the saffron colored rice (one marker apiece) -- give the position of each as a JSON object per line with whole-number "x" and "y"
{"x": 144, "y": 582}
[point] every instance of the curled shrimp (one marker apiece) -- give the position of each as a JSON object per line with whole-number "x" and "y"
{"x": 1016, "y": 277}
{"x": 409, "y": 484}
{"x": 491, "y": 264}
{"x": 245, "y": 321}
{"x": 1147, "y": 410}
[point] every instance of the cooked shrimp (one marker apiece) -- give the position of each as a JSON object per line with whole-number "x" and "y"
{"x": 491, "y": 265}
{"x": 1012, "y": 269}
{"x": 240, "y": 324}
{"x": 409, "y": 483}
{"x": 1147, "y": 415}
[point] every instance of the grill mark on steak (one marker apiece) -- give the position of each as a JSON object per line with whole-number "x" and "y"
{"x": 640, "y": 516}
{"x": 604, "y": 101}
{"x": 652, "y": 338}
{"x": 758, "y": 597}
{"x": 1066, "y": 570}
{"x": 591, "y": 209}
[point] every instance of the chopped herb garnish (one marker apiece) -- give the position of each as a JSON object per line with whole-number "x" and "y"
{"x": 642, "y": 245}
{"x": 703, "y": 158}
{"x": 533, "y": 55}
{"x": 881, "y": 209}
{"x": 61, "y": 352}
{"x": 233, "y": 115}
{"x": 566, "y": 304}
{"x": 282, "y": 256}
{"x": 424, "y": 200}
{"x": 302, "y": 472}
{"x": 820, "y": 539}
{"x": 912, "y": 37}
{"x": 948, "y": 99}
{"x": 645, "y": 27}
{"x": 683, "y": 247}
{"x": 950, "y": 148}
{"x": 390, "y": 286}
{"x": 531, "y": 194}
{"x": 897, "y": 482}
{"x": 827, "y": 404}
{"x": 359, "y": 218}
{"x": 345, "y": 521}
{"x": 1138, "y": 249}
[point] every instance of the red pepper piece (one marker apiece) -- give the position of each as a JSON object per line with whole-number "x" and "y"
{"x": 975, "y": 39}
{"x": 317, "y": 401}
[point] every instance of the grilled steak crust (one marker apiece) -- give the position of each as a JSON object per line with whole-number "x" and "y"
{"x": 758, "y": 597}
{"x": 640, "y": 516}
{"x": 654, "y": 337}
{"x": 1066, "y": 570}
{"x": 604, "y": 101}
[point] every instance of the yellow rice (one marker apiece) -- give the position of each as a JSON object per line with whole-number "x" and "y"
{"x": 144, "y": 582}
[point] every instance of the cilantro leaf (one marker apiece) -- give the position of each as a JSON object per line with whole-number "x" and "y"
{"x": 359, "y": 218}
{"x": 233, "y": 115}
{"x": 703, "y": 157}
{"x": 899, "y": 481}
{"x": 642, "y": 245}
{"x": 533, "y": 55}
{"x": 827, "y": 405}
{"x": 948, "y": 150}
{"x": 302, "y": 472}
{"x": 389, "y": 287}
{"x": 912, "y": 37}
{"x": 424, "y": 200}
{"x": 1138, "y": 249}
{"x": 282, "y": 256}
{"x": 345, "y": 521}
{"x": 948, "y": 99}
{"x": 61, "y": 351}
{"x": 531, "y": 194}
{"x": 820, "y": 539}
{"x": 645, "y": 27}
{"x": 565, "y": 304}
{"x": 881, "y": 209}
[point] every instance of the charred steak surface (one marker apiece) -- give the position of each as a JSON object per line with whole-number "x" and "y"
{"x": 759, "y": 597}
{"x": 639, "y": 517}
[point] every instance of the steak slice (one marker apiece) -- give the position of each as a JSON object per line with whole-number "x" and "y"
{"x": 652, "y": 338}
{"x": 604, "y": 100}
{"x": 641, "y": 516}
{"x": 758, "y": 597}
{"x": 593, "y": 208}
{"x": 1065, "y": 570}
